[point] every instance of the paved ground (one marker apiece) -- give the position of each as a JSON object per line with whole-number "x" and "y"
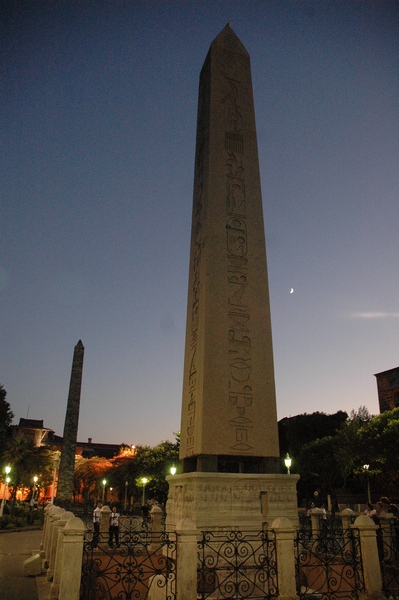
{"x": 15, "y": 548}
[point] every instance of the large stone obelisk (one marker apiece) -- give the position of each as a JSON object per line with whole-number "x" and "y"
{"x": 67, "y": 464}
{"x": 229, "y": 454}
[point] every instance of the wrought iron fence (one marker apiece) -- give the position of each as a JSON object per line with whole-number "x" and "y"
{"x": 237, "y": 565}
{"x": 388, "y": 552}
{"x": 138, "y": 560}
{"x": 329, "y": 564}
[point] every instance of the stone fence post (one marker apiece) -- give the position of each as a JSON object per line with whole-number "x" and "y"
{"x": 186, "y": 566}
{"x": 315, "y": 516}
{"x": 346, "y": 518}
{"x": 71, "y": 564}
{"x": 156, "y": 528}
{"x": 55, "y": 586}
{"x": 47, "y": 509}
{"x": 50, "y": 548}
{"x": 46, "y": 533}
{"x": 59, "y": 518}
{"x": 104, "y": 526}
{"x": 371, "y": 564}
{"x": 285, "y": 535}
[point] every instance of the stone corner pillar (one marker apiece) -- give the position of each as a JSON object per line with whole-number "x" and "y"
{"x": 53, "y": 516}
{"x": 346, "y": 517}
{"x": 58, "y": 520}
{"x": 71, "y": 569}
{"x": 285, "y": 533}
{"x": 186, "y": 567}
{"x": 47, "y": 512}
{"x": 55, "y": 586}
{"x": 315, "y": 517}
{"x": 156, "y": 528}
{"x": 369, "y": 549}
{"x": 104, "y": 526}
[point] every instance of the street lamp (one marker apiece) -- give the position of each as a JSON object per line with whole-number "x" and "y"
{"x": 366, "y": 468}
{"x": 56, "y": 464}
{"x": 144, "y": 481}
{"x": 104, "y": 484}
{"x": 126, "y": 484}
{"x": 35, "y": 486}
{"x": 173, "y": 470}
{"x": 7, "y": 470}
{"x": 288, "y": 463}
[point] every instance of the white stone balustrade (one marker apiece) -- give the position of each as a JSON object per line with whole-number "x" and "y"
{"x": 69, "y": 531}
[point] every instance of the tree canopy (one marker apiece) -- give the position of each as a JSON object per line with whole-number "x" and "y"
{"x": 6, "y": 417}
{"x": 27, "y": 460}
{"x": 295, "y": 432}
{"x": 338, "y": 460}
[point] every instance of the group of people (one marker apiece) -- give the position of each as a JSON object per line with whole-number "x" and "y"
{"x": 113, "y": 529}
{"x": 381, "y": 509}
{"x": 322, "y": 508}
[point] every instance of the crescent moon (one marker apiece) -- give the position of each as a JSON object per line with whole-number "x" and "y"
{"x": 291, "y": 290}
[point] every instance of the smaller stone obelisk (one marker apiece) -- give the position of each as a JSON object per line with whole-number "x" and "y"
{"x": 67, "y": 464}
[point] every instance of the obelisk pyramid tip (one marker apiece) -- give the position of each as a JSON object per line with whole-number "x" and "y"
{"x": 229, "y": 40}
{"x": 79, "y": 344}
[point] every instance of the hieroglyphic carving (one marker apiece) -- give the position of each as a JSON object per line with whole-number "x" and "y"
{"x": 196, "y": 266}
{"x": 240, "y": 393}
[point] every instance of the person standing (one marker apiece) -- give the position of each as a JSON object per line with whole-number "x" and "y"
{"x": 370, "y": 510}
{"x": 145, "y": 509}
{"x": 113, "y": 528}
{"x": 96, "y": 524}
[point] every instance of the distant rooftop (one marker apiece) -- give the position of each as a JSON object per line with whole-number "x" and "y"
{"x": 31, "y": 423}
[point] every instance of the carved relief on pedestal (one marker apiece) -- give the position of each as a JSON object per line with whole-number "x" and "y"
{"x": 246, "y": 496}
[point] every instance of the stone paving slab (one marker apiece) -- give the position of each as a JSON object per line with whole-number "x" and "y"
{"x": 15, "y": 548}
{"x": 43, "y": 587}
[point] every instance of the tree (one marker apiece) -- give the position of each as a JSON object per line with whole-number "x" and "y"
{"x": 6, "y": 417}
{"x": 378, "y": 441}
{"x": 326, "y": 449}
{"x": 26, "y": 461}
{"x": 318, "y": 462}
{"x": 124, "y": 469}
{"x": 295, "y": 432}
{"x": 153, "y": 463}
{"x": 88, "y": 473}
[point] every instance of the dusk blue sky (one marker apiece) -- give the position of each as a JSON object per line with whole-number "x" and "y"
{"x": 99, "y": 103}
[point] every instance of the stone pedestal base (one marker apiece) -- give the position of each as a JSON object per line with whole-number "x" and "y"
{"x": 240, "y": 501}
{"x": 33, "y": 565}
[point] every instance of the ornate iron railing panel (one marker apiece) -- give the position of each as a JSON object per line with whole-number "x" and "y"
{"x": 237, "y": 565}
{"x": 329, "y": 565}
{"x": 388, "y": 552}
{"x": 127, "y": 571}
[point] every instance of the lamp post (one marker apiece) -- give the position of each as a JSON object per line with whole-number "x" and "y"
{"x": 173, "y": 470}
{"x": 126, "y": 484}
{"x": 144, "y": 481}
{"x": 7, "y": 481}
{"x": 366, "y": 468}
{"x": 56, "y": 464}
{"x": 35, "y": 486}
{"x": 104, "y": 484}
{"x": 288, "y": 463}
